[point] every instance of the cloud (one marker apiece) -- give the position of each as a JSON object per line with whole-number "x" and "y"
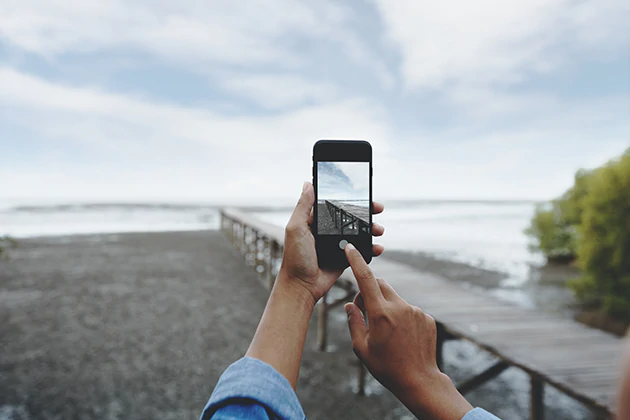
{"x": 142, "y": 149}
{"x": 277, "y": 91}
{"x": 214, "y": 153}
{"x": 488, "y": 41}
{"x": 448, "y": 94}
{"x": 189, "y": 33}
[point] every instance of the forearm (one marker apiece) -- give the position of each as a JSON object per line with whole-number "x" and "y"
{"x": 279, "y": 339}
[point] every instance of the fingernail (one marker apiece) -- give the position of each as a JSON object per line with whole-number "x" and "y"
{"x": 348, "y": 308}
{"x": 304, "y": 186}
{"x": 350, "y": 247}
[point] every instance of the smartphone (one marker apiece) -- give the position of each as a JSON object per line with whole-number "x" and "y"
{"x": 342, "y": 177}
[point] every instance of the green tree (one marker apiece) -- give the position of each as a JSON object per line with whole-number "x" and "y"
{"x": 603, "y": 248}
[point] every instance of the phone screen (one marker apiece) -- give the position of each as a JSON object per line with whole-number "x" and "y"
{"x": 343, "y": 198}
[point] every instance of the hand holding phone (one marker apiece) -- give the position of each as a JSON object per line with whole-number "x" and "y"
{"x": 342, "y": 176}
{"x": 299, "y": 261}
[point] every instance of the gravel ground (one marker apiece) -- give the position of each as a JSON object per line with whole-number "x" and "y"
{"x": 140, "y": 326}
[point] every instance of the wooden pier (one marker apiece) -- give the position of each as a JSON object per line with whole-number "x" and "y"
{"x": 582, "y": 362}
{"x": 348, "y": 218}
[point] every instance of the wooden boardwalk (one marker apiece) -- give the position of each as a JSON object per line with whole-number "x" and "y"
{"x": 583, "y": 362}
{"x": 348, "y": 218}
{"x": 580, "y": 361}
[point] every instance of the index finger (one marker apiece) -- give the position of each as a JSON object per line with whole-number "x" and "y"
{"x": 368, "y": 285}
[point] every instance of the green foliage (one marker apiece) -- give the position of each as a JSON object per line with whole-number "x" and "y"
{"x": 555, "y": 237}
{"x": 554, "y": 227}
{"x": 591, "y": 223}
{"x": 6, "y": 242}
{"x": 604, "y": 246}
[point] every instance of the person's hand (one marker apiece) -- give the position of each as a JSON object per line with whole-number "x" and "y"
{"x": 299, "y": 262}
{"x": 398, "y": 346}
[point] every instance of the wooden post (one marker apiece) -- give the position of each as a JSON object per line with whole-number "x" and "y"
{"x": 322, "y": 323}
{"x": 242, "y": 244}
{"x": 273, "y": 255}
{"x": 361, "y": 378}
{"x": 536, "y": 402}
{"x": 259, "y": 249}
{"x": 266, "y": 250}
{"x": 439, "y": 355}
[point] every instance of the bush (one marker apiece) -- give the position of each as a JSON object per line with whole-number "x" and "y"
{"x": 6, "y": 242}
{"x": 555, "y": 237}
{"x": 554, "y": 227}
{"x": 603, "y": 248}
{"x": 591, "y": 223}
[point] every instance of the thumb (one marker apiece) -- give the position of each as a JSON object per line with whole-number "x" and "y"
{"x": 302, "y": 211}
{"x": 358, "y": 329}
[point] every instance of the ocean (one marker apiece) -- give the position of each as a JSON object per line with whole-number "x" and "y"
{"x": 487, "y": 234}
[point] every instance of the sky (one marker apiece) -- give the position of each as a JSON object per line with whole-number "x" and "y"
{"x": 208, "y": 100}
{"x": 343, "y": 181}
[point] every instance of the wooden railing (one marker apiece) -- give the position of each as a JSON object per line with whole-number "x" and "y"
{"x": 262, "y": 245}
{"x": 344, "y": 216}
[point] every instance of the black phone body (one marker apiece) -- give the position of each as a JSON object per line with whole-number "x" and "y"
{"x": 342, "y": 177}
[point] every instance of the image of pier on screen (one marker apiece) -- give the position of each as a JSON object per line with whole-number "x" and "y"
{"x": 343, "y": 198}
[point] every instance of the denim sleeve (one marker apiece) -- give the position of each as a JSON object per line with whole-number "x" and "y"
{"x": 251, "y": 389}
{"x": 479, "y": 414}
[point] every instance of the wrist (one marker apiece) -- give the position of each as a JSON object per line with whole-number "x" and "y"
{"x": 436, "y": 398}
{"x": 294, "y": 289}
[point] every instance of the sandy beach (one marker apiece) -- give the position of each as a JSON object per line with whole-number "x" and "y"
{"x": 138, "y": 326}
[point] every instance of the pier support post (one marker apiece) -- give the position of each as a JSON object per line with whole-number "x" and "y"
{"x": 536, "y": 402}
{"x": 259, "y": 253}
{"x": 242, "y": 234}
{"x": 439, "y": 351}
{"x": 322, "y": 323}
{"x": 362, "y": 373}
{"x": 273, "y": 255}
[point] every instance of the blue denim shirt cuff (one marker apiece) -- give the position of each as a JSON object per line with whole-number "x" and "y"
{"x": 255, "y": 381}
{"x": 479, "y": 414}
